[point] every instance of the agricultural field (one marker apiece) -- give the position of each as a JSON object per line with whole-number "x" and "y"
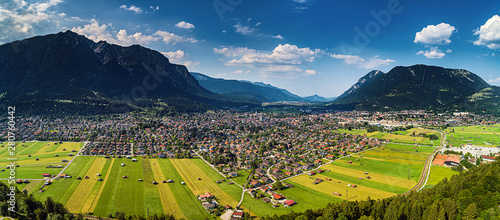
{"x": 484, "y": 136}
{"x": 401, "y": 136}
{"x": 438, "y": 173}
{"x": 28, "y": 153}
{"x": 108, "y": 192}
{"x": 393, "y": 169}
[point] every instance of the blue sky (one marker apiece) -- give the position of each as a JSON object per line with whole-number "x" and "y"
{"x": 305, "y": 46}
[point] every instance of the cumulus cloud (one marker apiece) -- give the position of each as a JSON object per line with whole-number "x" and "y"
{"x": 300, "y": 1}
{"x": 184, "y": 25}
{"x": 99, "y": 32}
{"x": 311, "y": 72}
{"x": 278, "y": 37}
{"x": 244, "y": 30}
{"x": 133, "y": 8}
{"x": 170, "y": 38}
{"x": 372, "y": 63}
{"x": 494, "y": 80}
{"x": 282, "y": 54}
{"x": 433, "y": 53}
{"x": 489, "y": 33}
{"x": 241, "y": 72}
{"x": 137, "y": 38}
{"x": 179, "y": 57}
{"x": 95, "y": 32}
{"x": 283, "y": 61}
{"x": 435, "y": 34}
{"x": 19, "y": 19}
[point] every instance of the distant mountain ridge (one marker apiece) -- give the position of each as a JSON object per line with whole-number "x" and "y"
{"x": 417, "y": 87}
{"x": 257, "y": 90}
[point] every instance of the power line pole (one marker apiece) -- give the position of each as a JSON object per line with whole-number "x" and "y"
{"x": 346, "y": 194}
{"x": 408, "y": 174}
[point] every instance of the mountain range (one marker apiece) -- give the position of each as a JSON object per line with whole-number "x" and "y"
{"x": 255, "y": 90}
{"x": 66, "y": 73}
{"x": 420, "y": 87}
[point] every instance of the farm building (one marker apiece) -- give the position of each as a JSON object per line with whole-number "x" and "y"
{"x": 289, "y": 203}
{"x": 316, "y": 181}
{"x": 238, "y": 214}
{"x": 278, "y": 197}
{"x": 205, "y": 196}
{"x": 46, "y": 175}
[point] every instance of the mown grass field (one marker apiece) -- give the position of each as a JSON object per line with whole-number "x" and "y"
{"x": 190, "y": 172}
{"x": 438, "y": 173}
{"x": 167, "y": 197}
{"x": 400, "y": 136}
{"x": 186, "y": 200}
{"x": 485, "y": 136}
{"x": 63, "y": 189}
{"x": 387, "y": 166}
{"x": 27, "y": 153}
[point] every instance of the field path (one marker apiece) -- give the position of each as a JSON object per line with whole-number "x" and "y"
{"x": 168, "y": 200}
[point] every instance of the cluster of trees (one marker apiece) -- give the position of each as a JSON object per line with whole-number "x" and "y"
{"x": 470, "y": 195}
{"x": 27, "y": 207}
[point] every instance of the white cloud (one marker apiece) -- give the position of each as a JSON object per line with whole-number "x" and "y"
{"x": 137, "y": 38}
{"x": 282, "y": 54}
{"x": 435, "y": 34}
{"x": 283, "y": 61}
{"x": 179, "y": 57}
{"x": 170, "y": 38}
{"x": 300, "y": 1}
{"x": 184, "y": 25}
{"x": 241, "y": 72}
{"x": 258, "y": 23}
{"x": 245, "y": 30}
{"x": 62, "y": 14}
{"x": 97, "y": 32}
{"x": 278, "y": 37}
{"x": 489, "y": 33}
{"x": 133, "y": 8}
{"x": 433, "y": 53}
{"x": 494, "y": 80}
{"x": 311, "y": 72}
{"x": 362, "y": 63}
{"x": 175, "y": 56}
{"x": 19, "y": 19}
{"x": 157, "y": 8}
